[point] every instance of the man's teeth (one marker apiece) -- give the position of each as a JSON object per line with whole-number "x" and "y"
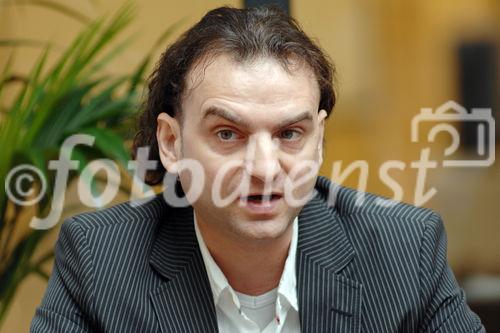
{"x": 261, "y": 197}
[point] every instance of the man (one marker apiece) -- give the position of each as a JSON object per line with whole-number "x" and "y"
{"x": 265, "y": 245}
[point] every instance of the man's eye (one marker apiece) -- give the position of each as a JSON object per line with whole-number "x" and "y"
{"x": 290, "y": 134}
{"x": 226, "y": 135}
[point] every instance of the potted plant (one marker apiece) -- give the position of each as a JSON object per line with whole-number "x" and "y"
{"x": 74, "y": 96}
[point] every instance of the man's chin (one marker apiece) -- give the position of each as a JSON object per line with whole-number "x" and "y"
{"x": 263, "y": 229}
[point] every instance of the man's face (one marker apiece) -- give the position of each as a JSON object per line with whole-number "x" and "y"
{"x": 250, "y": 123}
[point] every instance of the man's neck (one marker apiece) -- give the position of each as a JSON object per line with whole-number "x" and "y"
{"x": 251, "y": 267}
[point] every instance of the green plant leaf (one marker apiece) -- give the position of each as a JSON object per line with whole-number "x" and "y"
{"x": 115, "y": 26}
{"x": 72, "y": 96}
{"x": 22, "y": 42}
{"x": 38, "y": 160}
{"x": 39, "y": 271}
{"x": 138, "y": 74}
{"x": 60, "y": 116}
{"x": 10, "y": 130}
{"x": 112, "y": 54}
{"x": 102, "y": 107}
{"x": 73, "y": 64}
{"x": 6, "y": 73}
{"x": 108, "y": 143}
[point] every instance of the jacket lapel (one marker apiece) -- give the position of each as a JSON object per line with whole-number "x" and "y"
{"x": 328, "y": 301}
{"x": 184, "y": 301}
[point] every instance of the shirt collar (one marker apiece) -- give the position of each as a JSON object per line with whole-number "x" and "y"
{"x": 287, "y": 287}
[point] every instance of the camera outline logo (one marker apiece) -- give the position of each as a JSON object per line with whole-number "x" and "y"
{"x": 453, "y": 111}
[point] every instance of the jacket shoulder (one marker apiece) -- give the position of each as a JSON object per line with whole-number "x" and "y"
{"x": 373, "y": 218}
{"x": 350, "y": 202}
{"x": 146, "y": 211}
{"x": 124, "y": 230}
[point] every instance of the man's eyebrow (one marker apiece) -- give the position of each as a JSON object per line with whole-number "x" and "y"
{"x": 225, "y": 114}
{"x": 236, "y": 119}
{"x": 306, "y": 115}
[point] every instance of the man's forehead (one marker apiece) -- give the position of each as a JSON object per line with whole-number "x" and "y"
{"x": 214, "y": 66}
{"x": 259, "y": 80}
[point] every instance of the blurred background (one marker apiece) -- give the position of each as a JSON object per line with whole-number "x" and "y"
{"x": 393, "y": 58}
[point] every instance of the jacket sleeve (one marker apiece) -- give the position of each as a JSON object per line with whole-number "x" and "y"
{"x": 445, "y": 305}
{"x": 67, "y": 302}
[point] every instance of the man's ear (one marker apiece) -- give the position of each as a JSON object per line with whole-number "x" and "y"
{"x": 168, "y": 135}
{"x": 321, "y": 126}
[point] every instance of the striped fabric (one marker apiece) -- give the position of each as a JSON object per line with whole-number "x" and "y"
{"x": 361, "y": 267}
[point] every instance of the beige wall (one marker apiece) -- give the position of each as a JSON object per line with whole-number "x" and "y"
{"x": 393, "y": 57}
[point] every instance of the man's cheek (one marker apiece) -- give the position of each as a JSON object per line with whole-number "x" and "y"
{"x": 222, "y": 182}
{"x": 299, "y": 182}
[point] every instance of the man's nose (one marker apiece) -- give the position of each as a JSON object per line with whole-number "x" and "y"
{"x": 262, "y": 160}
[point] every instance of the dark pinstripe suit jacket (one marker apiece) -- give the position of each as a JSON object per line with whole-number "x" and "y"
{"x": 360, "y": 268}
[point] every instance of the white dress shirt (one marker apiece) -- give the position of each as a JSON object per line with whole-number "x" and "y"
{"x": 275, "y": 311}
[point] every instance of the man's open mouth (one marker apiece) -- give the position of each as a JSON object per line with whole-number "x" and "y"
{"x": 261, "y": 198}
